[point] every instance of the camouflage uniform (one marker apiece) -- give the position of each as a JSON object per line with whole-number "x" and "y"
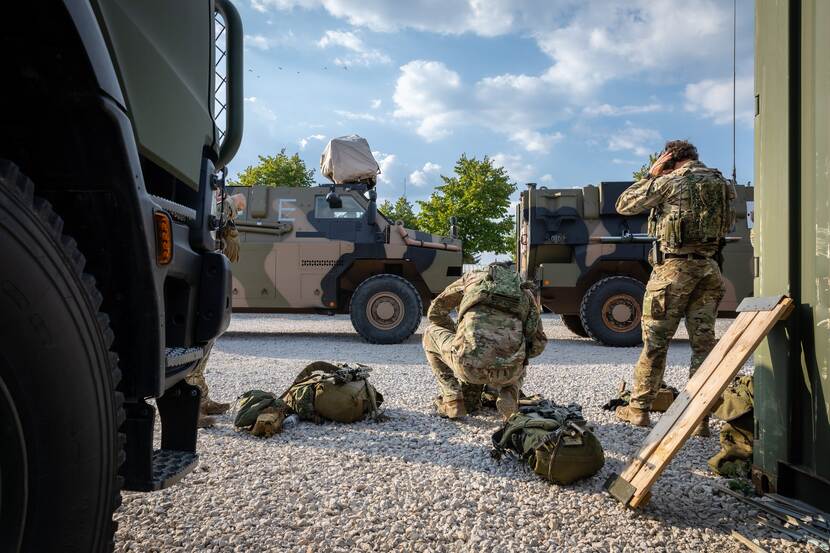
{"x": 230, "y": 246}
{"x": 690, "y": 287}
{"x": 487, "y": 346}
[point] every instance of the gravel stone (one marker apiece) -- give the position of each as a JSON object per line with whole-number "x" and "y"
{"x": 416, "y": 482}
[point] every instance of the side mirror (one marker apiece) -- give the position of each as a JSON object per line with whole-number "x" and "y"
{"x": 334, "y": 200}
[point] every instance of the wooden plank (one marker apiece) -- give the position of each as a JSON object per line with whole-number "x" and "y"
{"x": 708, "y": 384}
{"x": 700, "y": 404}
{"x": 678, "y": 406}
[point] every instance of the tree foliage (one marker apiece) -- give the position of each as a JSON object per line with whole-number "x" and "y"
{"x": 479, "y": 197}
{"x": 401, "y": 210}
{"x": 642, "y": 172}
{"x": 278, "y": 170}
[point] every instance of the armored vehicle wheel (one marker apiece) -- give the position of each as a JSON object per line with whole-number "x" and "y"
{"x": 574, "y": 324}
{"x": 386, "y": 309}
{"x": 611, "y": 309}
{"x": 59, "y": 412}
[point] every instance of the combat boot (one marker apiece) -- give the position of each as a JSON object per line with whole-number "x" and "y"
{"x": 702, "y": 429}
{"x": 210, "y": 407}
{"x": 506, "y": 404}
{"x": 453, "y": 409}
{"x": 633, "y": 415}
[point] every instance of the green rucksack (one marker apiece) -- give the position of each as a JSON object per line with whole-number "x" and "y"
{"x": 736, "y": 408}
{"x": 340, "y": 393}
{"x": 707, "y": 216}
{"x": 497, "y": 287}
{"x": 554, "y": 441}
{"x": 258, "y": 406}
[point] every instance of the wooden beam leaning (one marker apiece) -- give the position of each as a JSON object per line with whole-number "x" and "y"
{"x": 632, "y": 488}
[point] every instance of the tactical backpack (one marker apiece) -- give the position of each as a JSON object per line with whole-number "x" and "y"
{"x": 706, "y": 218}
{"x": 736, "y": 408}
{"x": 497, "y": 287}
{"x": 259, "y": 412}
{"x": 340, "y": 393}
{"x": 554, "y": 441}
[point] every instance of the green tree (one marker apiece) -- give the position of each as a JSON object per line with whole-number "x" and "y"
{"x": 479, "y": 197}
{"x": 642, "y": 172}
{"x": 401, "y": 210}
{"x": 278, "y": 170}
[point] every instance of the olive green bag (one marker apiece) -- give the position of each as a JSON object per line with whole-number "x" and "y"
{"x": 736, "y": 408}
{"x": 340, "y": 393}
{"x": 554, "y": 441}
{"x": 259, "y": 412}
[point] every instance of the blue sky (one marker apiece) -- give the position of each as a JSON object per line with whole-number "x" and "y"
{"x": 563, "y": 93}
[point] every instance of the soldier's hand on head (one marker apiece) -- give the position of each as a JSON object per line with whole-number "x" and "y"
{"x": 657, "y": 169}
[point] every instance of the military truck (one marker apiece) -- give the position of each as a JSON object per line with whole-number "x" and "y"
{"x": 327, "y": 250}
{"x": 591, "y": 264}
{"x": 111, "y": 153}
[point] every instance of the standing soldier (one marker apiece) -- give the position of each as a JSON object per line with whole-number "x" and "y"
{"x": 691, "y": 214}
{"x": 229, "y": 244}
{"x": 498, "y": 331}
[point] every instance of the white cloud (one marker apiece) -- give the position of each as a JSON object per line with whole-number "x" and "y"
{"x": 352, "y": 115}
{"x": 638, "y": 140}
{"x": 546, "y": 178}
{"x": 614, "y": 111}
{"x": 376, "y": 103}
{"x": 534, "y": 141}
{"x": 515, "y": 166}
{"x": 713, "y": 99}
{"x": 385, "y": 161}
{"x": 259, "y": 109}
{"x": 362, "y": 55}
{"x": 427, "y": 175}
{"x": 428, "y": 92}
{"x": 303, "y": 142}
{"x": 259, "y": 42}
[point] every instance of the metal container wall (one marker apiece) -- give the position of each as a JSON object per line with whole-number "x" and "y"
{"x": 792, "y": 169}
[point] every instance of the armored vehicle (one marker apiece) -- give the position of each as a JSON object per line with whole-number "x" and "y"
{"x": 328, "y": 250}
{"x": 110, "y": 282}
{"x": 591, "y": 264}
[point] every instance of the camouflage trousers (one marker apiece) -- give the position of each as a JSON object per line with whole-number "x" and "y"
{"x": 690, "y": 288}
{"x": 197, "y": 377}
{"x": 458, "y": 380}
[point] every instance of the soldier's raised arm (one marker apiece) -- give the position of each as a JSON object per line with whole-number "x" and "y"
{"x": 640, "y": 196}
{"x": 444, "y": 303}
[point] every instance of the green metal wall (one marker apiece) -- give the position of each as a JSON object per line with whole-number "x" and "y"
{"x": 792, "y": 168}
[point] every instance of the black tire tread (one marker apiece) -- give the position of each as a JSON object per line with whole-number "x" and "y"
{"x": 399, "y": 279}
{"x": 574, "y": 324}
{"x": 583, "y": 306}
{"x": 53, "y": 224}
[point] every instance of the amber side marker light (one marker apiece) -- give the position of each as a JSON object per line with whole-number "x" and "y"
{"x": 164, "y": 238}
{"x": 546, "y": 283}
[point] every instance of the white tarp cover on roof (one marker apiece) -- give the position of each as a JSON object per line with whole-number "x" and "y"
{"x": 348, "y": 159}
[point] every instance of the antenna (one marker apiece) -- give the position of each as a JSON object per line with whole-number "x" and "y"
{"x": 734, "y": 94}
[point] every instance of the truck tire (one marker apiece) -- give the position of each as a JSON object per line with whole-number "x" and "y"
{"x": 574, "y": 324}
{"x": 611, "y": 309}
{"x": 60, "y": 448}
{"x": 386, "y": 309}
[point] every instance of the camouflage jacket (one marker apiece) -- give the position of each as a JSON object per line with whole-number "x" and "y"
{"x": 665, "y": 194}
{"x": 491, "y": 336}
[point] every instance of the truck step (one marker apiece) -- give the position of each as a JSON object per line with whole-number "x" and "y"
{"x": 169, "y": 466}
{"x": 176, "y": 357}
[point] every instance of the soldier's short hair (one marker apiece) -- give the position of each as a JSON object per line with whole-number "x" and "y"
{"x": 681, "y": 149}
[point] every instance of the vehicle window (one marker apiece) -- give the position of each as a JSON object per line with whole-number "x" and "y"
{"x": 350, "y": 210}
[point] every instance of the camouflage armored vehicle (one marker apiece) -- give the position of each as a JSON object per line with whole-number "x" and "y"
{"x": 110, "y": 282}
{"x": 328, "y": 250}
{"x": 591, "y": 264}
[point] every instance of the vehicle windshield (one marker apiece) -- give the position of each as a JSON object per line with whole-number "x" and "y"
{"x": 350, "y": 209}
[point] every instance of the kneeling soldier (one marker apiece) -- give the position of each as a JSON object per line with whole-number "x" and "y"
{"x": 498, "y": 330}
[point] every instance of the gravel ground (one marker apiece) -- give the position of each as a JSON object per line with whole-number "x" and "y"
{"x": 417, "y": 482}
